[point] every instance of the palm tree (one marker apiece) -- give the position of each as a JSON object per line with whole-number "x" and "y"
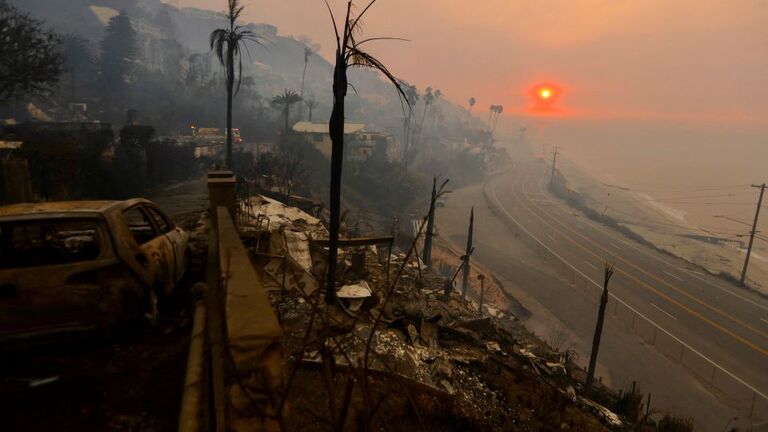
{"x": 287, "y": 98}
{"x": 349, "y": 54}
{"x": 472, "y": 103}
{"x": 307, "y": 54}
{"x": 227, "y": 43}
{"x": 435, "y": 108}
{"x": 499, "y": 110}
{"x": 412, "y": 96}
{"x": 311, "y": 104}
{"x": 491, "y": 110}
{"x": 429, "y": 99}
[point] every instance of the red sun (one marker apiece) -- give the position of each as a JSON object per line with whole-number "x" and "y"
{"x": 544, "y": 96}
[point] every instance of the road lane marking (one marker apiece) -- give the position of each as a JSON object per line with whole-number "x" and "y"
{"x": 542, "y": 215}
{"x": 674, "y": 276}
{"x": 697, "y": 275}
{"x": 617, "y": 247}
{"x": 657, "y": 291}
{"x": 664, "y": 312}
{"x": 687, "y": 270}
{"x": 764, "y": 320}
{"x": 615, "y": 297}
{"x": 589, "y": 264}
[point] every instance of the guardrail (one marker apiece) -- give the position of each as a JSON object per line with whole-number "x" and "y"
{"x": 252, "y": 333}
{"x": 724, "y": 384}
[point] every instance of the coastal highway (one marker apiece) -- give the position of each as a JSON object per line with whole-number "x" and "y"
{"x": 721, "y": 330}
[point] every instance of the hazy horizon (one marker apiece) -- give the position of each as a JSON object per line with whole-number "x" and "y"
{"x": 682, "y": 62}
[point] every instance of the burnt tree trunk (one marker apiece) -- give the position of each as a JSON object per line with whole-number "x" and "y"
{"x": 427, "y": 253}
{"x": 230, "y": 88}
{"x": 598, "y": 330}
{"x": 468, "y": 253}
{"x": 336, "y": 130}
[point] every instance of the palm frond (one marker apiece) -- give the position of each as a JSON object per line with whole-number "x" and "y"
{"x": 360, "y": 15}
{"x": 218, "y": 39}
{"x": 362, "y": 59}
{"x": 347, "y": 31}
{"x": 335, "y": 27}
{"x": 357, "y": 44}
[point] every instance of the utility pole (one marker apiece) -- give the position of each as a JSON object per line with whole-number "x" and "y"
{"x": 598, "y": 329}
{"x": 427, "y": 254}
{"x": 753, "y": 232}
{"x": 554, "y": 161}
{"x": 468, "y": 253}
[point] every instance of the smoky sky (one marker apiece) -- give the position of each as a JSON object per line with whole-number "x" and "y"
{"x": 664, "y": 60}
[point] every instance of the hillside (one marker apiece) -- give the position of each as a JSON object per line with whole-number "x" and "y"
{"x": 170, "y": 38}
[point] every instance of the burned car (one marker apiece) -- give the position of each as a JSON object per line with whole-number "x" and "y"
{"x": 84, "y": 265}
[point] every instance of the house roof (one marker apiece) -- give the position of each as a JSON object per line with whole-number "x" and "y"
{"x": 313, "y": 127}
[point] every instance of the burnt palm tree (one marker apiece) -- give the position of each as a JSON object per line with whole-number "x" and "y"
{"x": 227, "y": 44}
{"x": 349, "y": 54}
{"x": 287, "y": 98}
{"x": 472, "y": 103}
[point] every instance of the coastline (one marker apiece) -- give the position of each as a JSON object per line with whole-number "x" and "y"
{"x": 665, "y": 226}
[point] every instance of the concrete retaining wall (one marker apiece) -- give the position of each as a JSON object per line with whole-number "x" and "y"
{"x": 253, "y": 336}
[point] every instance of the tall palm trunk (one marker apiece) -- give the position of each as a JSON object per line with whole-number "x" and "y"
{"x": 427, "y": 255}
{"x": 301, "y": 91}
{"x": 230, "y": 88}
{"x": 336, "y": 130}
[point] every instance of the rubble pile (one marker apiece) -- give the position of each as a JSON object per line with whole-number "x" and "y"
{"x": 280, "y": 235}
{"x": 428, "y": 356}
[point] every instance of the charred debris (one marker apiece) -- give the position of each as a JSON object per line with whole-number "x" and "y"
{"x": 402, "y": 348}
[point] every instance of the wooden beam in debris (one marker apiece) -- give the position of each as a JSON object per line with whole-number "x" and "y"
{"x": 358, "y": 241}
